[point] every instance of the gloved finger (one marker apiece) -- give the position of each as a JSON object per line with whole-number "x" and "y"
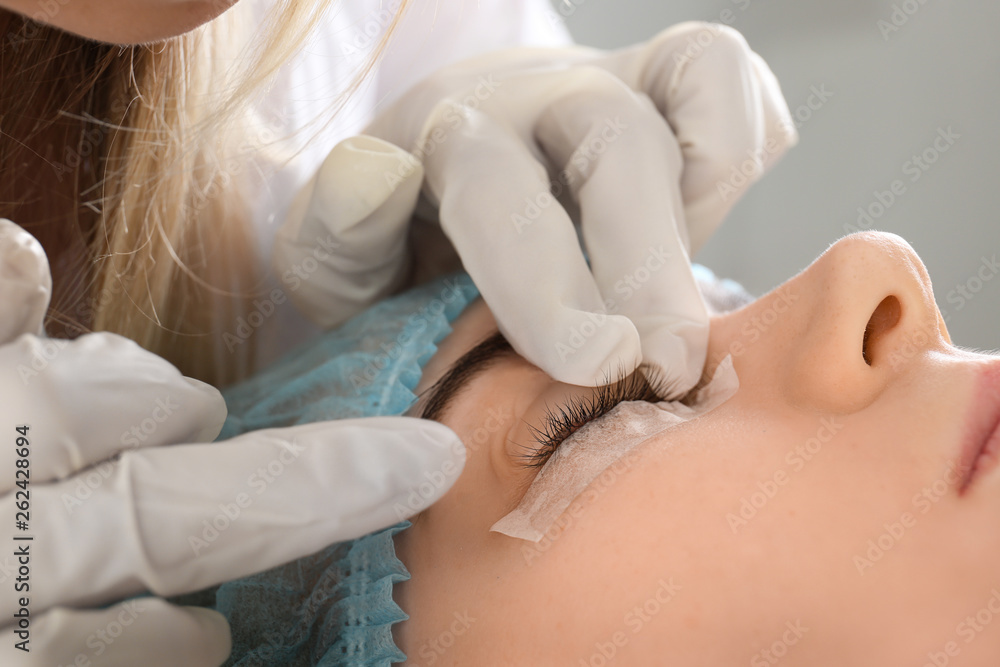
{"x": 143, "y": 631}
{"x": 86, "y": 399}
{"x": 724, "y": 105}
{"x": 521, "y": 250}
{"x": 25, "y": 282}
{"x": 343, "y": 244}
{"x": 177, "y": 519}
{"x": 614, "y": 141}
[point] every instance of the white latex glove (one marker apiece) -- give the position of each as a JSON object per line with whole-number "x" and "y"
{"x": 161, "y": 516}
{"x": 653, "y": 143}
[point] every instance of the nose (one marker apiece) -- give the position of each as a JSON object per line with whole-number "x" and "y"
{"x": 873, "y": 317}
{"x": 863, "y": 316}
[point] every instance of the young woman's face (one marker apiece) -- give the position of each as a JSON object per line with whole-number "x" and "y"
{"x": 824, "y": 515}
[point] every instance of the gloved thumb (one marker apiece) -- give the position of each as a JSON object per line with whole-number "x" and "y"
{"x": 25, "y": 282}
{"x": 343, "y": 245}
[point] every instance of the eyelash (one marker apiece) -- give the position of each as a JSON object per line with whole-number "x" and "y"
{"x": 564, "y": 420}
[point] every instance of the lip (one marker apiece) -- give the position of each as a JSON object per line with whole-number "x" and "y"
{"x": 981, "y": 440}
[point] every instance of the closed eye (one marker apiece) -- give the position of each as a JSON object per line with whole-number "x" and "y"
{"x": 563, "y": 420}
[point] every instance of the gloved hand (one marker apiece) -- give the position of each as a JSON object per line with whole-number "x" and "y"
{"x": 162, "y": 516}
{"x": 653, "y": 143}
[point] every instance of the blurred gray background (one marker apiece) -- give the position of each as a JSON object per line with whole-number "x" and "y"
{"x": 892, "y": 90}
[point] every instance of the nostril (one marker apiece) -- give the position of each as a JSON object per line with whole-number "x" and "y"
{"x": 884, "y": 318}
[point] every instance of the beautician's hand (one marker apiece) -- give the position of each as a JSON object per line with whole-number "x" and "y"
{"x": 162, "y": 516}
{"x": 654, "y": 144}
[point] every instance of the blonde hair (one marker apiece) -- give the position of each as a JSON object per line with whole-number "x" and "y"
{"x": 146, "y": 177}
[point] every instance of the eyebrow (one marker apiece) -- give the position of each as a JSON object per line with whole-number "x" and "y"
{"x": 443, "y": 392}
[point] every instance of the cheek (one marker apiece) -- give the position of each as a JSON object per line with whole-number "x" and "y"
{"x": 743, "y": 506}
{"x": 751, "y": 518}
{"x": 651, "y": 532}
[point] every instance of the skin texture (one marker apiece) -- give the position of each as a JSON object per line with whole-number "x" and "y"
{"x": 122, "y": 21}
{"x": 813, "y": 519}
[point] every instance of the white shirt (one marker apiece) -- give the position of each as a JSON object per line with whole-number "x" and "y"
{"x": 430, "y": 35}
